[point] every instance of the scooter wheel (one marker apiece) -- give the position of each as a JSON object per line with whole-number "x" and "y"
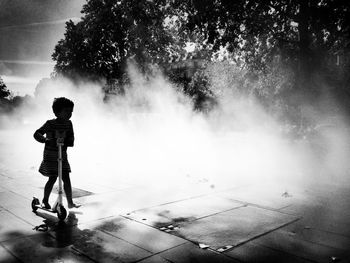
{"x": 61, "y": 213}
{"x": 35, "y": 202}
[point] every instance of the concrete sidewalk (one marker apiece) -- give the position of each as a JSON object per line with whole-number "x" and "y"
{"x": 191, "y": 223}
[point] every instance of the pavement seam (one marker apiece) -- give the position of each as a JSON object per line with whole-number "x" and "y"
{"x": 19, "y": 237}
{"x": 130, "y": 218}
{"x": 210, "y": 249}
{"x": 110, "y": 234}
{"x": 313, "y": 242}
{"x": 234, "y": 208}
{"x": 23, "y": 196}
{"x": 152, "y": 254}
{"x": 156, "y": 254}
{"x": 185, "y": 240}
{"x": 263, "y": 234}
{"x": 262, "y": 207}
{"x": 280, "y": 251}
{"x": 82, "y": 254}
{"x": 5, "y": 209}
{"x": 9, "y": 251}
{"x": 286, "y": 252}
{"x": 243, "y": 205}
{"x": 185, "y": 199}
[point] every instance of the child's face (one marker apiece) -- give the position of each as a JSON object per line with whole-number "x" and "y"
{"x": 65, "y": 113}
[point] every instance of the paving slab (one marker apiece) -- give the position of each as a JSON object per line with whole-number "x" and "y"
{"x": 27, "y": 215}
{"x": 188, "y": 253}
{"x": 103, "y": 247}
{"x": 273, "y": 196}
{"x": 322, "y": 217}
{"x": 187, "y": 210}
{"x": 2, "y": 189}
{"x": 155, "y": 259}
{"x": 139, "y": 234}
{"x": 27, "y": 191}
{"x": 95, "y": 207}
{"x": 323, "y": 232}
{"x": 66, "y": 235}
{"x": 122, "y": 202}
{"x": 19, "y": 206}
{"x": 198, "y": 189}
{"x": 6, "y": 256}
{"x": 302, "y": 230}
{"x": 41, "y": 248}
{"x": 250, "y": 252}
{"x": 233, "y": 227}
{"x": 10, "y": 200}
{"x": 12, "y": 226}
{"x": 100, "y": 188}
{"x": 284, "y": 241}
{"x": 76, "y": 192}
{"x": 17, "y": 187}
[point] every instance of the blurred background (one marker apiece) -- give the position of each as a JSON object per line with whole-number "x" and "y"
{"x": 29, "y": 31}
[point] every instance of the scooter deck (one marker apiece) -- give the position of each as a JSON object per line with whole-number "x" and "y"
{"x": 58, "y": 209}
{"x": 46, "y": 209}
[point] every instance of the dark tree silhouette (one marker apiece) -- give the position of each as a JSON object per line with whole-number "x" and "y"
{"x": 303, "y": 36}
{"x": 4, "y": 92}
{"x": 109, "y": 33}
{"x": 303, "y": 31}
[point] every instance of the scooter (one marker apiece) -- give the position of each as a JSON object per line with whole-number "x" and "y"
{"x": 58, "y": 205}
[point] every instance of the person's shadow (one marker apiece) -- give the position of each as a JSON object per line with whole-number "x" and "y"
{"x": 63, "y": 233}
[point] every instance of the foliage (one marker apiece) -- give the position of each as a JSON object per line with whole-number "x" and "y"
{"x": 200, "y": 90}
{"x": 110, "y": 33}
{"x": 300, "y": 31}
{"x": 274, "y": 49}
{"x": 4, "y": 92}
{"x": 225, "y": 79}
{"x": 8, "y": 102}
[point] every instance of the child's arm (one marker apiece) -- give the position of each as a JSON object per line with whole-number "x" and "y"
{"x": 69, "y": 140}
{"x": 39, "y": 134}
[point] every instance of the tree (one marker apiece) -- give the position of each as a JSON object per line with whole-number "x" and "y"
{"x": 110, "y": 33}
{"x": 4, "y": 92}
{"x": 302, "y": 32}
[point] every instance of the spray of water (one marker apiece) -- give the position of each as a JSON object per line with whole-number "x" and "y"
{"x": 152, "y": 137}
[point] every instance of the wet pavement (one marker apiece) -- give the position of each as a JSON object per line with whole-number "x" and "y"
{"x": 260, "y": 222}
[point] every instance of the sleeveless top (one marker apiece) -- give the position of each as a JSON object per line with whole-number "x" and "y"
{"x": 52, "y": 129}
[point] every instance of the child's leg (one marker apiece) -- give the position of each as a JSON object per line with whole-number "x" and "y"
{"x": 48, "y": 188}
{"x": 67, "y": 187}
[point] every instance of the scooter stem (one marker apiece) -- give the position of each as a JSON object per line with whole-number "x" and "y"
{"x": 60, "y": 189}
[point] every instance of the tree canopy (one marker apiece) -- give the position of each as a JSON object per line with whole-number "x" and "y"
{"x": 109, "y": 33}
{"x": 303, "y": 29}
{"x": 4, "y": 92}
{"x": 303, "y": 33}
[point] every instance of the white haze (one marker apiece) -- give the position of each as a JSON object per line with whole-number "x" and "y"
{"x": 151, "y": 137}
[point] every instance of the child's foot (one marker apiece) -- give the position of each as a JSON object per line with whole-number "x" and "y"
{"x": 46, "y": 205}
{"x": 72, "y": 205}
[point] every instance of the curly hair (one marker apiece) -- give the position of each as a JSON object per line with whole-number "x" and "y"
{"x": 61, "y": 103}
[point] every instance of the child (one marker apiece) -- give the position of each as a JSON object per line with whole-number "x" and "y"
{"x": 62, "y": 108}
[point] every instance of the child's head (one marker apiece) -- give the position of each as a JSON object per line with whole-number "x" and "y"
{"x": 63, "y": 108}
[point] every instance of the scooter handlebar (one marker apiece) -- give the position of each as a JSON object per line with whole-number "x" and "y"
{"x": 60, "y": 135}
{"x": 60, "y": 140}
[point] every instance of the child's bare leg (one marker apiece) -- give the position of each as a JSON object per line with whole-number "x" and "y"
{"x": 47, "y": 190}
{"x": 67, "y": 188}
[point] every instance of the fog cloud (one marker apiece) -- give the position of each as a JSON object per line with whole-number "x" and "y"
{"x": 152, "y": 137}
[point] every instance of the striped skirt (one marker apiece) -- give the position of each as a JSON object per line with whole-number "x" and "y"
{"x": 49, "y": 165}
